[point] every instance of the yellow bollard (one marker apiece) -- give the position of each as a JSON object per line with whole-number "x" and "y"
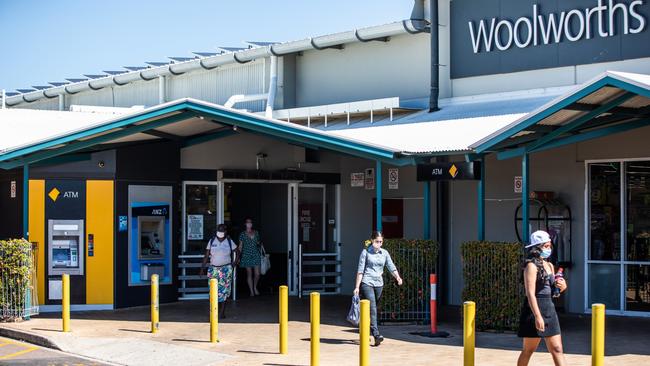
{"x": 469, "y": 313}
{"x": 314, "y": 312}
{"x": 154, "y": 304}
{"x": 214, "y": 311}
{"x": 364, "y": 333}
{"x": 284, "y": 319}
{"x": 65, "y": 302}
{"x": 597, "y": 335}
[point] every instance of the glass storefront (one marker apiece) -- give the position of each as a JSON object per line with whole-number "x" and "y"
{"x": 619, "y": 265}
{"x": 200, "y": 219}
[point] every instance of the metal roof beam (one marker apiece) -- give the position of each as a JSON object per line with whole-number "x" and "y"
{"x": 581, "y": 120}
{"x": 633, "y": 112}
{"x": 221, "y": 133}
{"x": 164, "y": 135}
{"x": 602, "y": 132}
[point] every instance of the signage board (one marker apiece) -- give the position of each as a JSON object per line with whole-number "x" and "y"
{"x": 519, "y": 182}
{"x": 503, "y": 36}
{"x": 194, "y": 227}
{"x": 393, "y": 178}
{"x": 12, "y": 192}
{"x": 370, "y": 178}
{"x": 356, "y": 179}
{"x": 449, "y": 171}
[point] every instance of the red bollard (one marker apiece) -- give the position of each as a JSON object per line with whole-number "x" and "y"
{"x": 433, "y": 281}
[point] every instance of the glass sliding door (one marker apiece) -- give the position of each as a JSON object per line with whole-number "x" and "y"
{"x": 618, "y": 269}
{"x": 200, "y": 215}
{"x": 637, "y": 246}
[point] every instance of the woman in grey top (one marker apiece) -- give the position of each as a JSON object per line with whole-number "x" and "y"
{"x": 370, "y": 280}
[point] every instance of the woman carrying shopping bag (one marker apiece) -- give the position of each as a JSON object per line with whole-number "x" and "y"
{"x": 370, "y": 281}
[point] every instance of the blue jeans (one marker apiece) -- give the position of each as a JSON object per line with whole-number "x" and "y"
{"x": 373, "y": 294}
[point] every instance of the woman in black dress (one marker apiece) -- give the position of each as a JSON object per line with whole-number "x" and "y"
{"x": 538, "y": 316}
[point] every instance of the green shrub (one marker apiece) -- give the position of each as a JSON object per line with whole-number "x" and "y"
{"x": 493, "y": 280}
{"x": 15, "y": 277}
{"x": 415, "y": 259}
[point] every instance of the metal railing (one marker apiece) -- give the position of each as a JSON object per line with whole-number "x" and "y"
{"x": 193, "y": 286}
{"x": 18, "y": 290}
{"x": 320, "y": 272}
{"x": 410, "y": 302}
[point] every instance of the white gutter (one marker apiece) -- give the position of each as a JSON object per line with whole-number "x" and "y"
{"x": 247, "y": 55}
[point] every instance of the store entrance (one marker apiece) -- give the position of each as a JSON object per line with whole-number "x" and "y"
{"x": 619, "y": 235}
{"x": 266, "y": 204}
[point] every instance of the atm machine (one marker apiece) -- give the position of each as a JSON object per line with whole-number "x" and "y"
{"x": 65, "y": 254}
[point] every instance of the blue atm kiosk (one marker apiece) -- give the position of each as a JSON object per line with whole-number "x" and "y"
{"x": 150, "y": 232}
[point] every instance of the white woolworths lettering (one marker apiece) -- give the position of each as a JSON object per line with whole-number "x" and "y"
{"x": 553, "y": 27}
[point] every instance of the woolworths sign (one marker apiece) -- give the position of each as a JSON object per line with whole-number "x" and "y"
{"x": 498, "y": 36}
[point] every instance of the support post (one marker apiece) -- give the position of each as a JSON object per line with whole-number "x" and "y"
{"x": 284, "y": 319}
{"x": 155, "y": 325}
{"x": 26, "y": 201}
{"x": 597, "y": 335}
{"x": 364, "y": 332}
{"x": 525, "y": 165}
{"x": 379, "y": 195}
{"x": 315, "y": 328}
{"x": 481, "y": 202}
{"x": 65, "y": 302}
{"x": 214, "y": 311}
{"x": 427, "y": 211}
{"x": 469, "y": 313}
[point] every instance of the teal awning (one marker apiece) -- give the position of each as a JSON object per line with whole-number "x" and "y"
{"x": 226, "y": 121}
{"x": 611, "y": 103}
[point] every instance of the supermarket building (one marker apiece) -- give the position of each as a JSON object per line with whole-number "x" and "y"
{"x": 119, "y": 175}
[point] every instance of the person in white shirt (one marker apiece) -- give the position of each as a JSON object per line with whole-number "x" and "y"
{"x": 224, "y": 255}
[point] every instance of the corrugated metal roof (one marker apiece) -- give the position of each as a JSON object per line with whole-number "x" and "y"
{"x": 19, "y": 127}
{"x": 453, "y": 135}
{"x": 451, "y": 129}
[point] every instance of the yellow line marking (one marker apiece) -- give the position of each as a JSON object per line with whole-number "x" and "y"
{"x": 4, "y": 344}
{"x": 12, "y": 355}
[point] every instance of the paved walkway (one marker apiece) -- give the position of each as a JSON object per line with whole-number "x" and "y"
{"x": 248, "y": 336}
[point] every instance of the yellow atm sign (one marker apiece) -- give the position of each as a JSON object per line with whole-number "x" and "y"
{"x": 449, "y": 171}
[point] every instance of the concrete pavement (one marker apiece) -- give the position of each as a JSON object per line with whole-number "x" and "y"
{"x": 248, "y": 336}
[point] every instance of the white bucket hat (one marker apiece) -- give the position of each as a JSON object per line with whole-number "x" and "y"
{"x": 537, "y": 238}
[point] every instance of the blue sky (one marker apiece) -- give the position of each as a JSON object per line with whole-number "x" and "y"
{"x": 45, "y": 41}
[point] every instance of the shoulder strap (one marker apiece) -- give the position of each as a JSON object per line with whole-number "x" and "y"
{"x": 230, "y": 243}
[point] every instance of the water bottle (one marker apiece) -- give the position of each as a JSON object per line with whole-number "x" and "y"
{"x": 558, "y": 275}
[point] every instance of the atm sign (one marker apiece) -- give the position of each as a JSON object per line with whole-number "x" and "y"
{"x": 55, "y": 194}
{"x": 449, "y": 171}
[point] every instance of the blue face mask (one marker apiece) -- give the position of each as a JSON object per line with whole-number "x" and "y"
{"x": 546, "y": 253}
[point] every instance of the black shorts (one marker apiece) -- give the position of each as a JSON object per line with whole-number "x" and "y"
{"x": 527, "y": 321}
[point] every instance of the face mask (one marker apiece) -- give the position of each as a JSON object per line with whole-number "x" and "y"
{"x": 249, "y": 225}
{"x": 546, "y": 253}
{"x": 221, "y": 234}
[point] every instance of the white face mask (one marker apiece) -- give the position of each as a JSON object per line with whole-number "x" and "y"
{"x": 221, "y": 234}
{"x": 249, "y": 225}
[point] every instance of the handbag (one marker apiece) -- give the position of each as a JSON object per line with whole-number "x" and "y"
{"x": 265, "y": 261}
{"x": 353, "y": 314}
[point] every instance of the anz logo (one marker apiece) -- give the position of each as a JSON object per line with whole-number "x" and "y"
{"x": 55, "y": 194}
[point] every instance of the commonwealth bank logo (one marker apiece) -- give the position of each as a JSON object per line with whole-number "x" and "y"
{"x": 54, "y": 194}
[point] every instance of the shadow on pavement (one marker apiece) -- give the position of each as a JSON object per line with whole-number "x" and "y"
{"x": 624, "y": 335}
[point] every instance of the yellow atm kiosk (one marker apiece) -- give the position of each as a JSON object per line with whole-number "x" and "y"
{"x": 72, "y": 221}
